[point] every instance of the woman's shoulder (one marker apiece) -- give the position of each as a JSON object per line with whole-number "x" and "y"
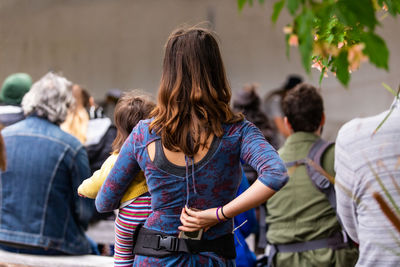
{"x": 141, "y": 134}
{"x": 238, "y": 128}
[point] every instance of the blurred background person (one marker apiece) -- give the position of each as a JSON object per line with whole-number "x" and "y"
{"x": 41, "y": 212}
{"x": 12, "y": 91}
{"x": 272, "y": 107}
{"x": 303, "y": 228}
{"x": 86, "y": 122}
{"x": 110, "y": 101}
{"x": 77, "y": 119}
{"x": 248, "y": 102}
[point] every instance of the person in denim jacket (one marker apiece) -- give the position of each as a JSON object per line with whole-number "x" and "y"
{"x": 40, "y": 210}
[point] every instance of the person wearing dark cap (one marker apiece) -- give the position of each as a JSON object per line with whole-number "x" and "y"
{"x": 110, "y": 101}
{"x": 272, "y": 107}
{"x": 12, "y": 91}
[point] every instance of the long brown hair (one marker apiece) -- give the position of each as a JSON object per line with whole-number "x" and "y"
{"x": 129, "y": 110}
{"x": 194, "y": 94}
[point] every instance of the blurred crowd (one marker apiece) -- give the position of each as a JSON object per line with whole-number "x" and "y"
{"x": 54, "y": 136}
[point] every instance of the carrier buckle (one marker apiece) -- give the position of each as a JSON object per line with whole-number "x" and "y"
{"x": 169, "y": 243}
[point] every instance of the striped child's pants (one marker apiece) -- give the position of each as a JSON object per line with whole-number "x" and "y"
{"x": 129, "y": 217}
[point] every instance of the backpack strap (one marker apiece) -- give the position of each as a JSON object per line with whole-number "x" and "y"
{"x": 296, "y": 163}
{"x": 318, "y": 179}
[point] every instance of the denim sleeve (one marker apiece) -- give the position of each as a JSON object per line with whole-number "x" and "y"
{"x": 118, "y": 180}
{"x": 84, "y": 207}
{"x": 260, "y": 155}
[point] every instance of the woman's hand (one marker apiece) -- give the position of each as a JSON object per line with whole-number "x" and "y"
{"x": 194, "y": 220}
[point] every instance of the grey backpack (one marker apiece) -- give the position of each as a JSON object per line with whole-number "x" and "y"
{"x": 313, "y": 163}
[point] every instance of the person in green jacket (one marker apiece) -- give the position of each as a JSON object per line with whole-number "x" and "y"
{"x": 299, "y": 212}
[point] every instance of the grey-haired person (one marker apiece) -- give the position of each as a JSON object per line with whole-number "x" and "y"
{"x": 41, "y": 212}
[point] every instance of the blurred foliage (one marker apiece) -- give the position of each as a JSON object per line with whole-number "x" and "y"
{"x": 335, "y": 35}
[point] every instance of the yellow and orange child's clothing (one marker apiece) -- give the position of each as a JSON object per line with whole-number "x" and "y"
{"x": 92, "y": 185}
{"x": 135, "y": 207}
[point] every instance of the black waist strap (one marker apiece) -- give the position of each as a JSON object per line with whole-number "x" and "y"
{"x": 337, "y": 241}
{"x": 157, "y": 244}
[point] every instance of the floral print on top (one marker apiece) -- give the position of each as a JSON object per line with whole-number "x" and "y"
{"x": 211, "y": 183}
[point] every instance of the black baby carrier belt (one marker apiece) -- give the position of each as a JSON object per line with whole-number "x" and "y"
{"x": 157, "y": 244}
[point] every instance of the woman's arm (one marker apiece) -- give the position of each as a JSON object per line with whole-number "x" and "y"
{"x": 91, "y": 186}
{"x": 272, "y": 176}
{"x": 195, "y": 220}
{"x": 125, "y": 169}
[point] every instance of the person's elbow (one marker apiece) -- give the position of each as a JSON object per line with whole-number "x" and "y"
{"x": 275, "y": 179}
{"x": 102, "y": 206}
{"x": 285, "y": 179}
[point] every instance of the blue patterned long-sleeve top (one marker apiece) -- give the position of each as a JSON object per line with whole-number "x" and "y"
{"x": 211, "y": 182}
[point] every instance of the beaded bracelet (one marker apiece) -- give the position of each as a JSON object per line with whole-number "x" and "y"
{"x": 217, "y": 214}
{"x": 222, "y": 212}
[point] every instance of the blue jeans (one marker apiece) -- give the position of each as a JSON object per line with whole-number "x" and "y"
{"x": 43, "y": 251}
{"x": 35, "y": 251}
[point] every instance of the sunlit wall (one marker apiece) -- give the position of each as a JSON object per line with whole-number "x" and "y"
{"x": 105, "y": 44}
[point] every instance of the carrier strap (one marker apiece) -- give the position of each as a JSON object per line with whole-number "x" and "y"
{"x": 157, "y": 244}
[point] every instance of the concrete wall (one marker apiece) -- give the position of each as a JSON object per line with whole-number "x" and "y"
{"x": 105, "y": 44}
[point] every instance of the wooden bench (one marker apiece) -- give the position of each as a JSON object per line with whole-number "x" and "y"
{"x": 9, "y": 259}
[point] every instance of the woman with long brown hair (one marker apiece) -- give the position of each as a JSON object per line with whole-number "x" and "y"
{"x": 190, "y": 152}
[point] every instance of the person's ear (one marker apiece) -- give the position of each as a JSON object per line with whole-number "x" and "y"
{"x": 287, "y": 124}
{"x": 322, "y": 123}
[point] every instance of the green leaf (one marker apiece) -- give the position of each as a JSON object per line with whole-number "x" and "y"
{"x": 287, "y": 36}
{"x": 241, "y": 3}
{"x": 382, "y": 122}
{"x": 325, "y": 20}
{"x": 375, "y": 49}
{"x": 390, "y": 111}
{"x": 261, "y": 2}
{"x": 387, "y": 87}
{"x": 353, "y": 13}
{"x": 277, "y": 10}
{"x": 305, "y": 35}
{"x": 321, "y": 76}
{"x": 342, "y": 68}
{"x": 380, "y": 182}
{"x": 292, "y": 6}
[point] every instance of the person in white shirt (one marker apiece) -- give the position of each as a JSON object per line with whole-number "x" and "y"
{"x": 363, "y": 159}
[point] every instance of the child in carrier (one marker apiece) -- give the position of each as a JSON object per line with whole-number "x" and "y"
{"x": 135, "y": 204}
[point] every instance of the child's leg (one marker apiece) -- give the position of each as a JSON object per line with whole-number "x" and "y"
{"x": 125, "y": 224}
